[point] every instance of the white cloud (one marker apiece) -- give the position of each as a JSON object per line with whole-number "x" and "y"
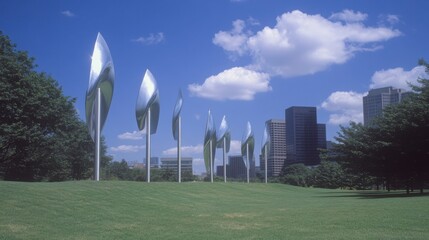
{"x": 135, "y": 135}
{"x": 235, "y": 147}
{"x": 397, "y": 77}
{"x": 127, "y": 148}
{"x": 349, "y": 16}
{"x": 233, "y": 84}
{"x": 190, "y": 150}
{"x": 152, "y": 39}
{"x": 233, "y": 41}
{"x": 301, "y": 44}
{"x": 345, "y": 107}
{"x": 67, "y": 13}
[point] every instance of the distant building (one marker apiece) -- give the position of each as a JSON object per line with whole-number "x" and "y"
{"x": 303, "y": 136}
{"x": 277, "y": 151}
{"x": 321, "y": 136}
{"x": 171, "y": 163}
{"x": 236, "y": 168}
{"x": 154, "y": 162}
{"x": 379, "y": 98}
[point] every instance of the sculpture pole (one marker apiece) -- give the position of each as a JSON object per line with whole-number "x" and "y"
{"x": 148, "y": 146}
{"x": 266, "y": 164}
{"x": 248, "y": 161}
{"x": 97, "y": 138}
{"x": 211, "y": 161}
{"x": 224, "y": 160}
{"x": 179, "y": 151}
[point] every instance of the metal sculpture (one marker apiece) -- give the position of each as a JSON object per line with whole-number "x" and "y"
{"x": 99, "y": 95}
{"x": 265, "y": 147}
{"x": 177, "y": 133}
{"x": 210, "y": 145}
{"x": 147, "y": 112}
{"x": 247, "y": 147}
{"x": 224, "y": 142}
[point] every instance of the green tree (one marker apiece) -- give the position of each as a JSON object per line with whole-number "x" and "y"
{"x": 41, "y": 135}
{"x": 295, "y": 174}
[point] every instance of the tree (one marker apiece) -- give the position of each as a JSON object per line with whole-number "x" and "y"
{"x": 295, "y": 174}
{"x": 394, "y": 149}
{"x": 41, "y": 135}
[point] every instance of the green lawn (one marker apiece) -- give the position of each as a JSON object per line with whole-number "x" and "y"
{"x": 137, "y": 210}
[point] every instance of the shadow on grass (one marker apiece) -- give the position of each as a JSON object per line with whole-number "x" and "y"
{"x": 375, "y": 194}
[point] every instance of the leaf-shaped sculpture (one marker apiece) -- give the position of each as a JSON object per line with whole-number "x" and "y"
{"x": 265, "y": 140}
{"x": 265, "y": 149}
{"x": 224, "y": 134}
{"x": 102, "y": 76}
{"x": 177, "y": 133}
{"x": 176, "y": 114}
{"x": 148, "y": 98}
{"x": 209, "y": 145}
{"x": 224, "y": 142}
{"x": 248, "y": 145}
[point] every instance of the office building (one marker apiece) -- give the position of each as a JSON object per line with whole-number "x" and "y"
{"x": 379, "y": 98}
{"x": 154, "y": 162}
{"x": 171, "y": 163}
{"x": 236, "y": 168}
{"x": 277, "y": 152}
{"x": 302, "y": 136}
{"x": 321, "y": 136}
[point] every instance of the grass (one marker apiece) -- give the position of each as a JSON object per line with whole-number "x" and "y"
{"x": 136, "y": 210}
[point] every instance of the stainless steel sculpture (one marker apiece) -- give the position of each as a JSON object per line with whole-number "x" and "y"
{"x": 147, "y": 112}
{"x": 265, "y": 147}
{"x": 99, "y": 95}
{"x": 210, "y": 145}
{"x": 247, "y": 147}
{"x": 177, "y": 133}
{"x": 224, "y": 142}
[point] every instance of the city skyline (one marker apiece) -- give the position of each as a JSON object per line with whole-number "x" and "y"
{"x": 247, "y": 60}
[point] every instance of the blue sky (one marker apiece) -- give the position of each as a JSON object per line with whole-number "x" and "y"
{"x": 248, "y": 60}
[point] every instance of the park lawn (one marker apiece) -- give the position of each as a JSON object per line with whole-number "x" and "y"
{"x": 198, "y": 210}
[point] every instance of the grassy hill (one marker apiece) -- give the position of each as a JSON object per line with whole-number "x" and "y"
{"x": 136, "y": 210}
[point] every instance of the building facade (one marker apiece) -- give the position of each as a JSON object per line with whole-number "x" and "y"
{"x": 379, "y": 98}
{"x": 277, "y": 152}
{"x": 171, "y": 163}
{"x": 302, "y": 136}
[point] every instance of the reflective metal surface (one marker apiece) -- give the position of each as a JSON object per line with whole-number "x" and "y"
{"x": 265, "y": 139}
{"x": 176, "y": 114}
{"x": 102, "y": 75}
{"x": 224, "y": 134}
{"x": 209, "y": 143}
{"x": 148, "y": 98}
{"x": 247, "y": 145}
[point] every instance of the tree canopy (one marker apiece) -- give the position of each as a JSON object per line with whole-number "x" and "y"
{"x": 395, "y": 148}
{"x": 41, "y": 134}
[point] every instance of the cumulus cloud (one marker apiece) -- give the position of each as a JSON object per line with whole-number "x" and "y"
{"x": 234, "y": 40}
{"x": 237, "y": 83}
{"x": 67, "y": 13}
{"x": 152, "y": 39}
{"x": 301, "y": 44}
{"x": 135, "y": 135}
{"x": 345, "y": 107}
{"x": 397, "y": 77}
{"x": 127, "y": 148}
{"x": 349, "y": 16}
{"x": 298, "y": 44}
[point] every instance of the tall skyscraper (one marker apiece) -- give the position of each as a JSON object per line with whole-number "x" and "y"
{"x": 321, "y": 136}
{"x": 302, "y": 136}
{"x": 277, "y": 151}
{"x": 377, "y": 99}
